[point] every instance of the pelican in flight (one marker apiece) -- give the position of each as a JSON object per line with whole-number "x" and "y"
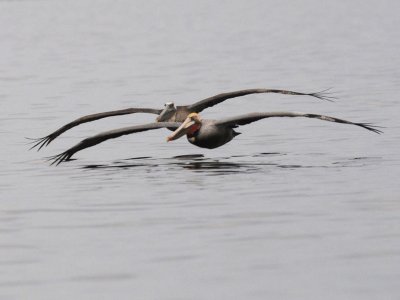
{"x": 200, "y": 132}
{"x": 171, "y": 113}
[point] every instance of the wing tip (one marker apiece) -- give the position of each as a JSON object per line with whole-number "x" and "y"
{"x": 325, "y": 95}
{"x": 371, "y": 127}
{"x": 39, "y": 143}
{"x": 59, "y": 158}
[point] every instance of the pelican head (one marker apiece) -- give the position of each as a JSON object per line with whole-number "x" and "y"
{"x": 190, "y": 125}
{"x": 168, "y": 111}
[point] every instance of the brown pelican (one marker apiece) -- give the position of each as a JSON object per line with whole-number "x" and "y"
{"x": 171, "y": 113}
{"x": 200, "y": 132}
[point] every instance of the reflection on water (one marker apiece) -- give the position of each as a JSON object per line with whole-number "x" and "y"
{"x": 224, "y": 165}
{"x": 190, "y": 162}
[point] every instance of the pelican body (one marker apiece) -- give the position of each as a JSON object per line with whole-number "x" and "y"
{"x": 170, "y": 112}
{"x": 211, "y": 136}
{"x": 200, "y": 132}
{"x": 204, "y": 133}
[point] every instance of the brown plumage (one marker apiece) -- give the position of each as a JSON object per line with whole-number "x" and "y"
{"x": 202, "y": 133}
{"x": 171, "y": 113}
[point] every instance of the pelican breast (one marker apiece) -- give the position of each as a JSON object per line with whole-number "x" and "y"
{"x": 211, "y": 135}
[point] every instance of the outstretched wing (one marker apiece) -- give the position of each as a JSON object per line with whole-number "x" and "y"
{"x": 44, "y": 141}
{"x": 214, "y": 100}
{"x": 112, "y": 134}
{"x": 252, "y": 117}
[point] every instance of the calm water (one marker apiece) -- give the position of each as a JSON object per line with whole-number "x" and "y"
{"x": 291, "y": 209}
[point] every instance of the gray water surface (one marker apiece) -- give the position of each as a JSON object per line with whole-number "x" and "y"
{"x": 290, "y": 209}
